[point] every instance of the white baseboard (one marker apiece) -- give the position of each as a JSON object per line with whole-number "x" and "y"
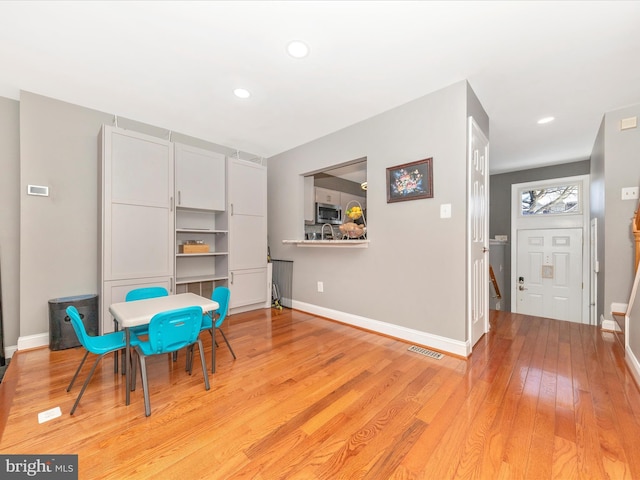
{"x": 10, "y": 350}
{"x": 442, "y": 344}
{"x": 633, "y": 364}
{"x": 33, "y": 341}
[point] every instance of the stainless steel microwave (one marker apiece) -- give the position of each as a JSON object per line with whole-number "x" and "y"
{"x": 327, "y": 213}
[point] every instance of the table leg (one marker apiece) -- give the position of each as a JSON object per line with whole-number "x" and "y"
{"x": 127, "y": 355}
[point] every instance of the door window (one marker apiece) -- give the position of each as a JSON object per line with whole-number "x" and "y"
{"x": 551, "y": 200}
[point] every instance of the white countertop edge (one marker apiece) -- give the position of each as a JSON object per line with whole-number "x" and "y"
{"x": 328, "y": 243}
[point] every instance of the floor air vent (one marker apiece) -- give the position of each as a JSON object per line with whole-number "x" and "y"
{"x": 426, "y": 352}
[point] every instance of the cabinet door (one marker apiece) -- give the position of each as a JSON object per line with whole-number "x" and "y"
{"x": 324, "y": 195}
{"x": 116, "y": 291}
{"x": 200, "y": 178}
{"x": 247, "y": 187}
{"x": 137, "y": 213}
{"x": 248, "y": 287}
{"x": 248, "y": 236}
{"x": 309, "y": 201}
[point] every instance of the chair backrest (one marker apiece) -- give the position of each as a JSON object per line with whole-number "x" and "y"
{"x": 145, "y": 292}
{"x": 174, "y": 329}
{"x": 222, "y": 296}
{"x": 78, "y": 327}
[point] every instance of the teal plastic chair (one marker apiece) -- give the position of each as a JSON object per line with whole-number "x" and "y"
{"x": 169, "y": 332}
{"x": 142, "y": 294}
{"x": 221, "y": 295}
{"x": 99, "y": 345}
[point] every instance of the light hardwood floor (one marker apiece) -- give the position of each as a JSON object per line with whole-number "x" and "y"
{"x": 309, "y": 398}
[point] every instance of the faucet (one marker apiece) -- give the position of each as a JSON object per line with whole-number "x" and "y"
{"x": 330, "y": 228}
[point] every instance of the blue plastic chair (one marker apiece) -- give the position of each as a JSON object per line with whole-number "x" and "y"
{"x": 221, "y": 295}
{"x": 142, "y": 294}
{"x": 169, "y": 332}
{"x": 99, "y": 345}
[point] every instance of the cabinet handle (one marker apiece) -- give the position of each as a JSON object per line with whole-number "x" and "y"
{"x": 231, "y": 207}
{"x": 171, "y": 202}
{"x": 231, "y": 278}
{"x": 179, "y": 197}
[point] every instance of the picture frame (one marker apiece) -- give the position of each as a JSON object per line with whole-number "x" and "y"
{"x": 410, "y": 181}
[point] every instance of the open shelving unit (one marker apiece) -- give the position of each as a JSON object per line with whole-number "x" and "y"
{"x": 201, "y": 272}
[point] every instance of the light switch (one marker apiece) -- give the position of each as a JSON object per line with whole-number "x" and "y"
{"x": 445, "y": 210}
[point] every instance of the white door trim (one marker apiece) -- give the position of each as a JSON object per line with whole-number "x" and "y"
{"x": 581, "y": 220}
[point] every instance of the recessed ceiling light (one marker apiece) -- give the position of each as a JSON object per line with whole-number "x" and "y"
{"x": 241, "y": 93}
{"x": 544, "y": 120}
{"x": 298, "y": 49}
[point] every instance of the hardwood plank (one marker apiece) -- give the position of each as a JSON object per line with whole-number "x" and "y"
{"x": 310, "y": 398}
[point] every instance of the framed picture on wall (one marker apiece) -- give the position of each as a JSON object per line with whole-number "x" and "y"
{"x": 410, "y": 181}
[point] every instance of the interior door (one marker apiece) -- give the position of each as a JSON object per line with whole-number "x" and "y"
{"x": 478, "y": 233}
{"x": 549, "y": 273}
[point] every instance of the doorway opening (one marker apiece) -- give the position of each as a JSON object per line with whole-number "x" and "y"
{"x": 550, "y": 254}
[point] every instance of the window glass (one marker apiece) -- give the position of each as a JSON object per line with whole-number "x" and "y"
{"x": 558, "y": 199}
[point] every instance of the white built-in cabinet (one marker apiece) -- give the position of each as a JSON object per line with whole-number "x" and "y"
{"x": 155, "y": 196}
{"x": 137, "y": 219}
{"x": 247, "y": 215}
{"x": 324, "y": 195}
{"x": 200, "y": 193}
{"x": 309, "y": 201}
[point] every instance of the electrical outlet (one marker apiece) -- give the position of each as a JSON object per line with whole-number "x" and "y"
{"x": 629, "y": 193}
{"x": 320, "y": 287}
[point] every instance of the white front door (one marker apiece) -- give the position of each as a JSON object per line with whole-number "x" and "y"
{"x": 478, "y": 233}
{"x": 549, "y": 273}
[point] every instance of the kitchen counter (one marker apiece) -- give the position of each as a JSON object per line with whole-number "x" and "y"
{"x": 328, "y": 243}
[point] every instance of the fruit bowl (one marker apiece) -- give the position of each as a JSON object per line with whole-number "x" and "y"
{"x": 352, "y": 230}
{"x": 354, "y": 213}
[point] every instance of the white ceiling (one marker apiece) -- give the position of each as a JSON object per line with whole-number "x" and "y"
{"x": 175, "y": 65}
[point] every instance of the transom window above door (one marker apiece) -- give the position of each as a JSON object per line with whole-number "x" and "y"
{"x": 551, "y": 200}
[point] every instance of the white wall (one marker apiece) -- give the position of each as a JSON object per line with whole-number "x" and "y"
{"x": 615, "y": 164}
{"x": 413, "y": 273}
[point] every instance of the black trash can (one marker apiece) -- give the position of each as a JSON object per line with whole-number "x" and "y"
{"x": 61, "y": 332}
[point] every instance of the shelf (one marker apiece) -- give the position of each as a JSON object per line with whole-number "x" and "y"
{"x": 199, "y": 278}
{"x": 328, "y": 243}
{"x": 199, "y": 230}
{"x": 208, "y": 254}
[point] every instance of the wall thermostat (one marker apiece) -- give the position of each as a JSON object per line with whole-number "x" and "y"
{"x": 38, "y": 190}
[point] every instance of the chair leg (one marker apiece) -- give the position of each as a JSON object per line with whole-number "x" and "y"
{"x": 214, "y": 345}
{"x": 189, "y": 359}
{"x": 86, "y": 382}
{"x": 227, "y": 341}
{"x": 204, "y": 366}
{"x": 145, "y": 386}
{"x": 86, "y": 353}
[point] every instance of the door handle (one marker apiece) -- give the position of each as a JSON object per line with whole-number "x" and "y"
{"x": 485, "y": 249}
{"x": 522, "y": 287}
